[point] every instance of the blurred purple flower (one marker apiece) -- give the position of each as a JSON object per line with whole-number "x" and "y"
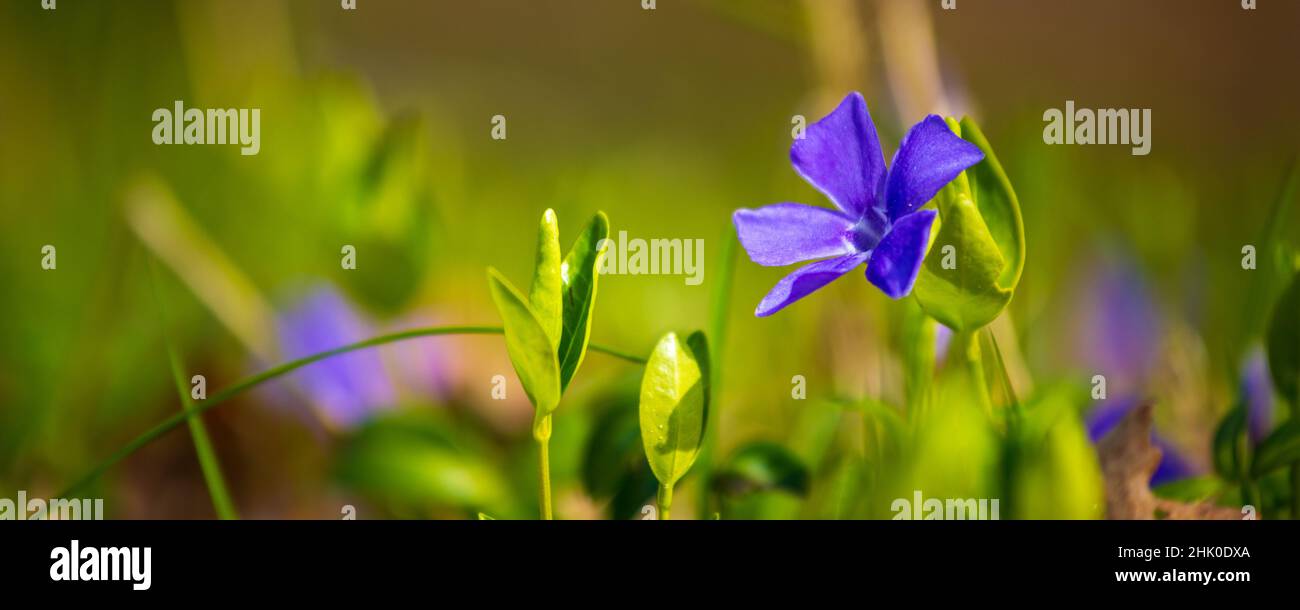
{"x": 346, "y": 388}
{"x": 878, "y": 221}
{"x": 1173, "y": 465}
{"x": 1121, "y": 330}
{"x": 1257, "y": 394}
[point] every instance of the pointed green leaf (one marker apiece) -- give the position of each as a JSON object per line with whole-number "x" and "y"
{"x": 977, "y": 254}
{"x": 1281, "y": 448}
{"x": 544, "y": 297}
{"x": 674, "y": 404}
{"x": 531, "y": 351}
{"x": 1284, "y": 344}
{"x": 578, "y": 281}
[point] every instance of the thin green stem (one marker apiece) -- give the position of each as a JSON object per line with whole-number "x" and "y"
{"x": 542, "y": 434}
{"x": 544, "y": 467}
{"x": 965, "y": 348}
{"x": 280, "y": 370}
{"x": 665, "y": 501}
{"x": 207, "y": 456}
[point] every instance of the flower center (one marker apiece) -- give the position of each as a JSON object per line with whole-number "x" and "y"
{"x": 866, "y": 235}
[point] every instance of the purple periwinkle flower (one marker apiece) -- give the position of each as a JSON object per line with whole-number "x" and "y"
{"x": 878, "y": 221}
{"x": 348, "y": 388}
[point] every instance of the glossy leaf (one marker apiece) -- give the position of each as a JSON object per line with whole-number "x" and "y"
{"x": 531, "y": 351}
{"x": 979, "y": 217}
{"x": 674, "y": 405}
{"x": 1284, "y": 344}
{"x": 578, "y": 276}
{"x": 763, "y": 466}
{"x": 545, "y": 298}
{"x": 1281, "y": 448}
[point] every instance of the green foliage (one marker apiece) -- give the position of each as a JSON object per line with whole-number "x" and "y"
{"x": 414, "y": 462}
{"x": 763, "y": 466}
{"x": 1230, "y": 448}
{"x": 1284, "y": 344}
{"x": 674, "y": 405}
{"x": 531, "y": 351}
{"x": 547, "y": 334}
{"x": 614, "y": 465}
{"x": 979, "y": 217}
{"x": 578, "y": 277}
{"x": 1281, "y": 448}
{"x": 1054, "y": 469}
{"x": 544, "y": 297}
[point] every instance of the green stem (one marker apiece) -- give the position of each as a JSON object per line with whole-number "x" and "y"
{"x": 542, "y": 433}
{"x": 665, "y": 501}
{"x": 965, "y": 348}
{"x": 280, "y": 370}
{"x": 207, "y": 456}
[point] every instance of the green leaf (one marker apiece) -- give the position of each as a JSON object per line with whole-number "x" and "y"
{"x": 545, "y": 298}
{"x": 411, "y": 460}
{"x": 531, "y": 351}
{"x": 578, "y": 277}
{"x": 1055, "y": 470}
{"x": 674, "y": 405}
{"x": 1284, "y": 344}
{"x": 763, "y": 466}
{"x": 1229, "y": 449}
{"x": 979, "y": 217}
{"x": 1281, "y": 448}
{"x": 998, "y": 205}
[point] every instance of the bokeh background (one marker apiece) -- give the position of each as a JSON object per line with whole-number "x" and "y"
{"x": 376, "y": 133}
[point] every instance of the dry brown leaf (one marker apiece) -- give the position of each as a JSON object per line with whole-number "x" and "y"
{"x": 1128, "y": 460}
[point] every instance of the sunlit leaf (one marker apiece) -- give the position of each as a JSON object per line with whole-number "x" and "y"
{"x": 977, "y": 253}
{"x": 531, "y": 351}
{"x": 545, "y": 298}
{"x": 578, "y": 276}
{"x": 674, "y": 405}
{"x": 998, "y": 205}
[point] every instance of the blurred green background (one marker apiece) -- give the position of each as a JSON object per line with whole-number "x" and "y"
{"x": 376, "y": 133}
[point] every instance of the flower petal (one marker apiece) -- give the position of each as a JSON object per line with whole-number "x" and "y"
{"x": 789, "y": 233}
{"x": 807, "y": 279}
{"x": 840, "y": 155}
{"x": 929, "y": 157}
{"x": 896, "y": 261}
{"x": 347, "y": 388}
